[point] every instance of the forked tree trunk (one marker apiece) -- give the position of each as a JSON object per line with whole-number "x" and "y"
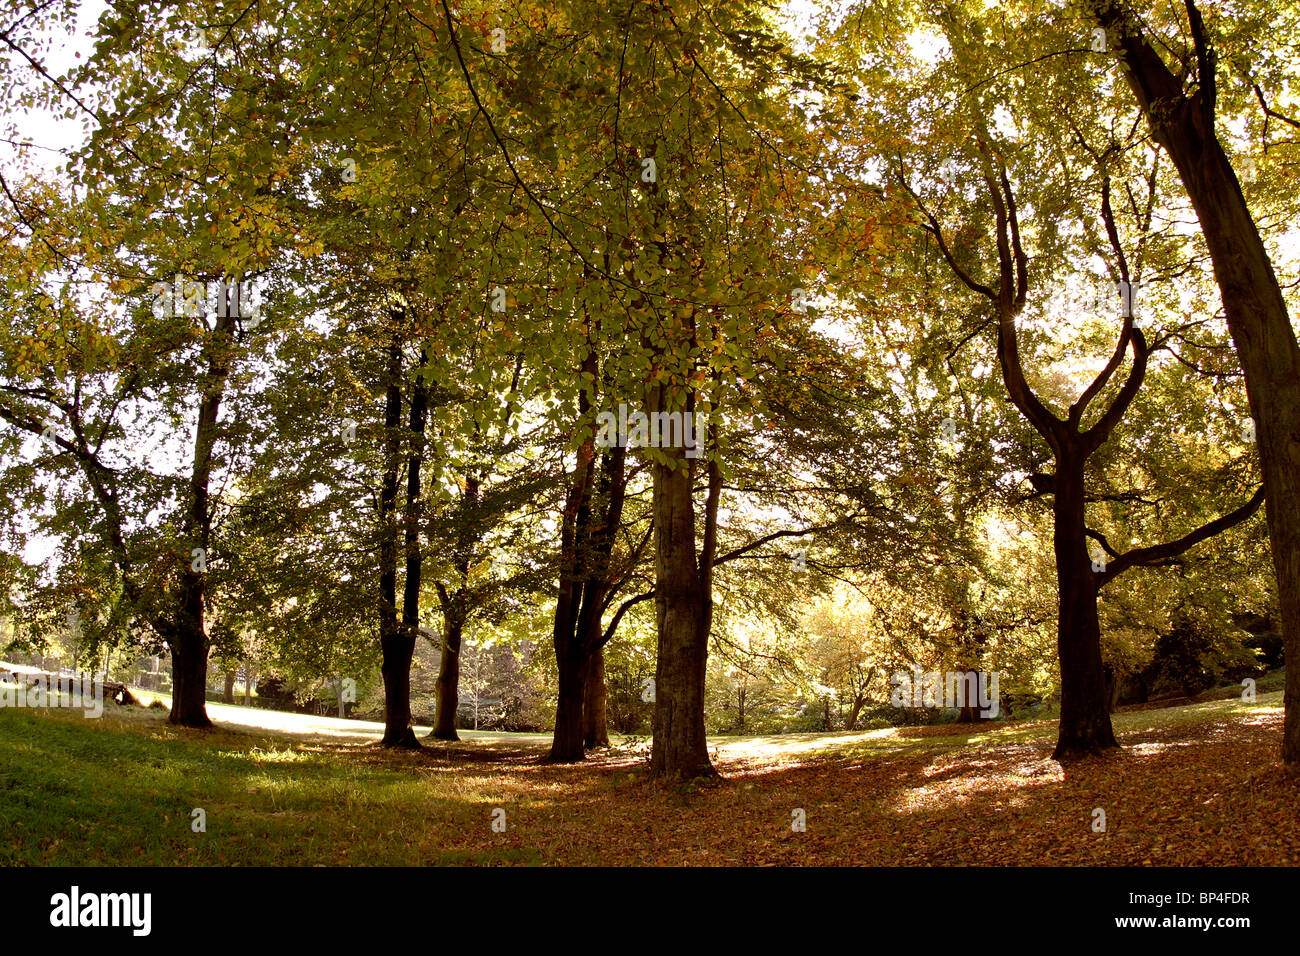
{"x": 585, "y": 651}
{"x": 590, "y": 522}
{"x": 571, "y": 657}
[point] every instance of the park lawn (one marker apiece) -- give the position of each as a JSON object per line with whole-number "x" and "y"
{"x": 1200, "y": 784}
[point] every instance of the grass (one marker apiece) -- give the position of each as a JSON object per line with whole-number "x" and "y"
{"x": 121, "y": 790}
{"x": 1195, "y": 784}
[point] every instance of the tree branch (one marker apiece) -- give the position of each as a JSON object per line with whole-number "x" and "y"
{"x": 1172, "y": 549}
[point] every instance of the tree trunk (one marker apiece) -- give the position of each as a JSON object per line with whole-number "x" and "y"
{"x": 229, "y": 695}
{"x": 586, "y": 654}
{"x": 448, "y": 686}
{"x": 1085, "y": 706}
{"x": 589, "y": 524}
{"x": 456, "y": 606}
{"x": 972, "y": 643}
{"x": 1114, "y": 685}
{"x": 248, "y": 685}
{"x": 972, "y": 710}
{"x": 189, "y": 647}
{"x": 571, "y": 657}
{"x": 189, "y": 637}
{"x": 395, "y": 645}
{"x": 571, "y": 633}
{"x": 1261, "y": 330}
{"x": 1253, "y": 306}
{"x": 854, "y": 711}
{"x": 680, "y": 749}
{"x": 595, "y": 729}
{"x": 567, "y": 742}
{"x": 404, "y": 644}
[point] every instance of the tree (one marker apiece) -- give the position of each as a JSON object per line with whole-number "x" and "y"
{"x": 995, "y": 138}
{"x": 1183, "y": 122}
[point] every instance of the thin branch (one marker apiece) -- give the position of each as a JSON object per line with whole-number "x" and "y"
{"x": 1205, "y": 63}
{"x": 933, "y": 229}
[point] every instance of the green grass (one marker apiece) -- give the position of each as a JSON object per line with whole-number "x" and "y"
{"x": 120, "y": 790}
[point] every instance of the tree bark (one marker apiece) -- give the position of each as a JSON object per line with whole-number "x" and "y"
{"x": 973, "y": 641}
{"x": 229, "y": 695}
{"x": 1114, "y": 686}
{"x": 683, "y": 609}
{"x": 1085, "y": 726}
{"x": 455, "y": 612}
{"x": 567, "y": 741}
{"x": 971, "y": 712}
{"x": 587, "y": 709}
{"x": 1253, "y": 304}
{"x": 595, "y": 729}
{"x": 590, "y": 522}
{"x": 448, "y": 685}
{"x": 189, "y": 647}
{"x": 570, "y": 655}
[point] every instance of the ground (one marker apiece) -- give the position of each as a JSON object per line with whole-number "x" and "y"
{"x": 1194, "y": 785}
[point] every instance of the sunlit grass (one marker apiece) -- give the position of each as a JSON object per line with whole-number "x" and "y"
{"x": 947, "y": 737}
{"x": 121, "y": 790}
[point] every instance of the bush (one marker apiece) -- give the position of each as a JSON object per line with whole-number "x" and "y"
{"x": 1192, "y": 658}
{"x": 1273, "y": 680}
